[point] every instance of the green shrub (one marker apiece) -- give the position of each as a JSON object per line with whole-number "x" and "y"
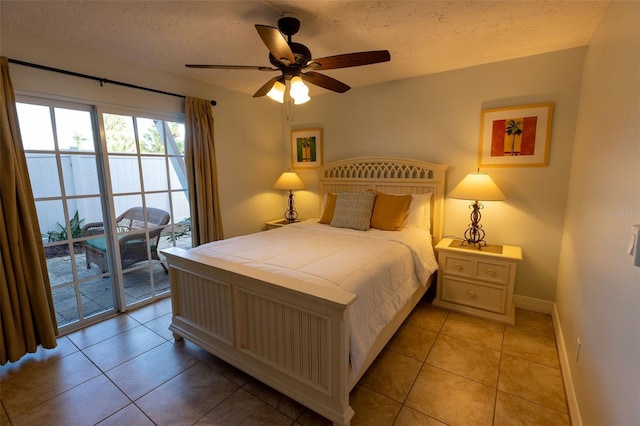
{"x": 60, "y": 234}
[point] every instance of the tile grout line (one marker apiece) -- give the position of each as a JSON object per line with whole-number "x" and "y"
{"x": 423, "y": 363}
{"x": 104, "y": 372}
{"x": 495, "y": 398}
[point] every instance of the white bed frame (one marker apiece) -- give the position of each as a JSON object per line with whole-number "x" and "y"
{"x": 279, "y": 330}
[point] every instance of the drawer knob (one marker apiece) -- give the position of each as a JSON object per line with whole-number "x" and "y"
{"x": 457, "y": 267}
{"x": 472, "y": 294}
{"x": 491, "y": 272}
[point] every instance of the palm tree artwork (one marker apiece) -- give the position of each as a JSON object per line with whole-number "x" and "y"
{"x": 514, "y": 128}
{"x": 306, "y": 149}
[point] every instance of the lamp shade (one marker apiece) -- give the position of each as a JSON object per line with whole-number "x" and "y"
{"x": 477, "y": 187}
{"x": 288, "y": 180}
{"x": 299, "y": 91}
{"x": 277, "y": 92}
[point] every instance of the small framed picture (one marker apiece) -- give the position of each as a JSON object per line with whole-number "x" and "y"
{"x": 515, "y": 136}
{"x": 306, "y": 148}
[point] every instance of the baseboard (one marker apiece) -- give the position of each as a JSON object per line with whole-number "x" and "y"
{"x": 572, "y": 401}
{"x": 533, "y": 304}
{"x": 548, "y": 307}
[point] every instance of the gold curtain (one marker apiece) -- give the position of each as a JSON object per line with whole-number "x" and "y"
{"x": 27, "y": 315}
{"x": 200, "y": 156}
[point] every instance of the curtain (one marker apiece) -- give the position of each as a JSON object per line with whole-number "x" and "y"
{"x": 200, "y": 156}
{"x": 27, "y": 315}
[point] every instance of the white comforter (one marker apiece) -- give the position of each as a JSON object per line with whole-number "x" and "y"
{"x": 383, "y": 268}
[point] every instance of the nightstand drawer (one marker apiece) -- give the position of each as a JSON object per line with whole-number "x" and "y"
{"x": 458, "y": 266}
{"x": 487, "y": 297}
{"x": 490, "y": 271}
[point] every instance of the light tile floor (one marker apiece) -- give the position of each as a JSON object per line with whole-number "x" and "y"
{"x": 440, "y": 368}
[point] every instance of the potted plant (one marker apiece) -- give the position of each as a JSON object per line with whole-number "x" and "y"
{"x": 61, "y": 234}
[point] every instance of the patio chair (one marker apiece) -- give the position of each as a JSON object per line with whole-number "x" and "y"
{"x": 131, "y": 236}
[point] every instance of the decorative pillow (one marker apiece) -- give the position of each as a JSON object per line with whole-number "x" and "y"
{"x": 328, "y": 207}
{"x": 389, "y": 211}
{"x": 353, "y": 210}
{"x": 419, "y": 212}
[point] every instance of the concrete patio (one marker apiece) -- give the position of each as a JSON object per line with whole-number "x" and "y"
{"x": 96, "y": 295}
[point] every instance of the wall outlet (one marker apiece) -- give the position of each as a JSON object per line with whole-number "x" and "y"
{"x": 578, "y": 346}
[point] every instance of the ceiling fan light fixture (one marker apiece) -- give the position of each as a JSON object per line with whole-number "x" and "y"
{"x": 301, "y": 99}
{"x": 277, "y": 92}
{"x": 293, "y": 59}
{"x": 299, "y": 91}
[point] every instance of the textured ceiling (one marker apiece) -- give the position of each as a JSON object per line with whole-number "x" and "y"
{"x": 423, "y": 37}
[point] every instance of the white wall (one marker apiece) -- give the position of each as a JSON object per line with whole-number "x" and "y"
{"x": 437, "y": 118}
{"x": 598, "y": 294}
{"x": 248, "y": 131}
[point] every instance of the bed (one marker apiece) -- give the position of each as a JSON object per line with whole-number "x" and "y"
{"x": 278, "y": 305}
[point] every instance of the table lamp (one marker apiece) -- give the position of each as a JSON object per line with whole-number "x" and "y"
{"x": 476, "y": 187}
{"x": 289, "y": 181}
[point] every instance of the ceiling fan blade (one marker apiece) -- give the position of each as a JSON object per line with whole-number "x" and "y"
{"x": 325, "y": 82}
{"x": 231, "y": 67}
{"x": 267, "y": 86}
{"x": 276, "y": 44}
{"x": 349, "y": 60}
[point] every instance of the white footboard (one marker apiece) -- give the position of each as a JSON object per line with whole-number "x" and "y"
{"x": 290, "y": 335}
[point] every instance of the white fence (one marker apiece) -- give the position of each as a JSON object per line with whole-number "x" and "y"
{"x": 80, "y": 177}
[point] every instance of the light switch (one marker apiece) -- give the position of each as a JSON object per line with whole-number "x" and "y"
{"x": 634, "y": 245}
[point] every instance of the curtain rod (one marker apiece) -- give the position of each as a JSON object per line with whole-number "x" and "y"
{"x": 99, "y": 79}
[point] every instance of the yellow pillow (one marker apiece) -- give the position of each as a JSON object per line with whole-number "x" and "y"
{"x": 329, "y": 208}
{"x": 389, "y": 211}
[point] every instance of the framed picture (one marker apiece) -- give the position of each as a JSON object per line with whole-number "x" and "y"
{"x": 515, "y": 136}
{"x": 306, "y": 148}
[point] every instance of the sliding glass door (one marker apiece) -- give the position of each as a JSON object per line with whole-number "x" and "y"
{"x": 110, "y": 194}
{"x": 62, "y": 153}
{"x": 146, "y": 169}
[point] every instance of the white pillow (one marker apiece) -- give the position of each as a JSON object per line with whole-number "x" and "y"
{"x": 353, "y": 210}
{"x": 419, "y": 212}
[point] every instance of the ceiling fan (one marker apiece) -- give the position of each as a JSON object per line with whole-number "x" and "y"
{"x": 291, "y": 59}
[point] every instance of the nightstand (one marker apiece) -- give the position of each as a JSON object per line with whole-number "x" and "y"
{"x": 477, "y": 281}
{"x": 272, "y": 224}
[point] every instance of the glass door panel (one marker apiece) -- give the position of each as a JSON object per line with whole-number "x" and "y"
{"x": 125, "y": 174}
{"x": 141, "y": 173}
{"x": 44, "y": 173}
{"x": 152, "y": 138}
{"x": 60, "y": 149}
{"x": 154, "y": 172}
{"x": 80, "y": 174}
{"x": 180, "y": 233}
{"x": 119, "y": 133}
{"x": 76, "y": 137}
{"x": 66, "y": 305}
{"x": 95, "y": 295}
{"x": 38, "y": 133}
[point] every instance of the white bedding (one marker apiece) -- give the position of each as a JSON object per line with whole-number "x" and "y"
{"x": 383, "y": 268}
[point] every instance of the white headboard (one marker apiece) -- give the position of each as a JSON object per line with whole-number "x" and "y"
{"x": 392, "y": 175}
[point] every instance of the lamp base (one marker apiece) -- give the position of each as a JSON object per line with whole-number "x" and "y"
{"x": 474, "y": 235}
{"x": 290, "y": 215}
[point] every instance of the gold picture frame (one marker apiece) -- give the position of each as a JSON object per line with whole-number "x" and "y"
{"x": 306, "y": 148}
{"x": 516, "y": 136}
